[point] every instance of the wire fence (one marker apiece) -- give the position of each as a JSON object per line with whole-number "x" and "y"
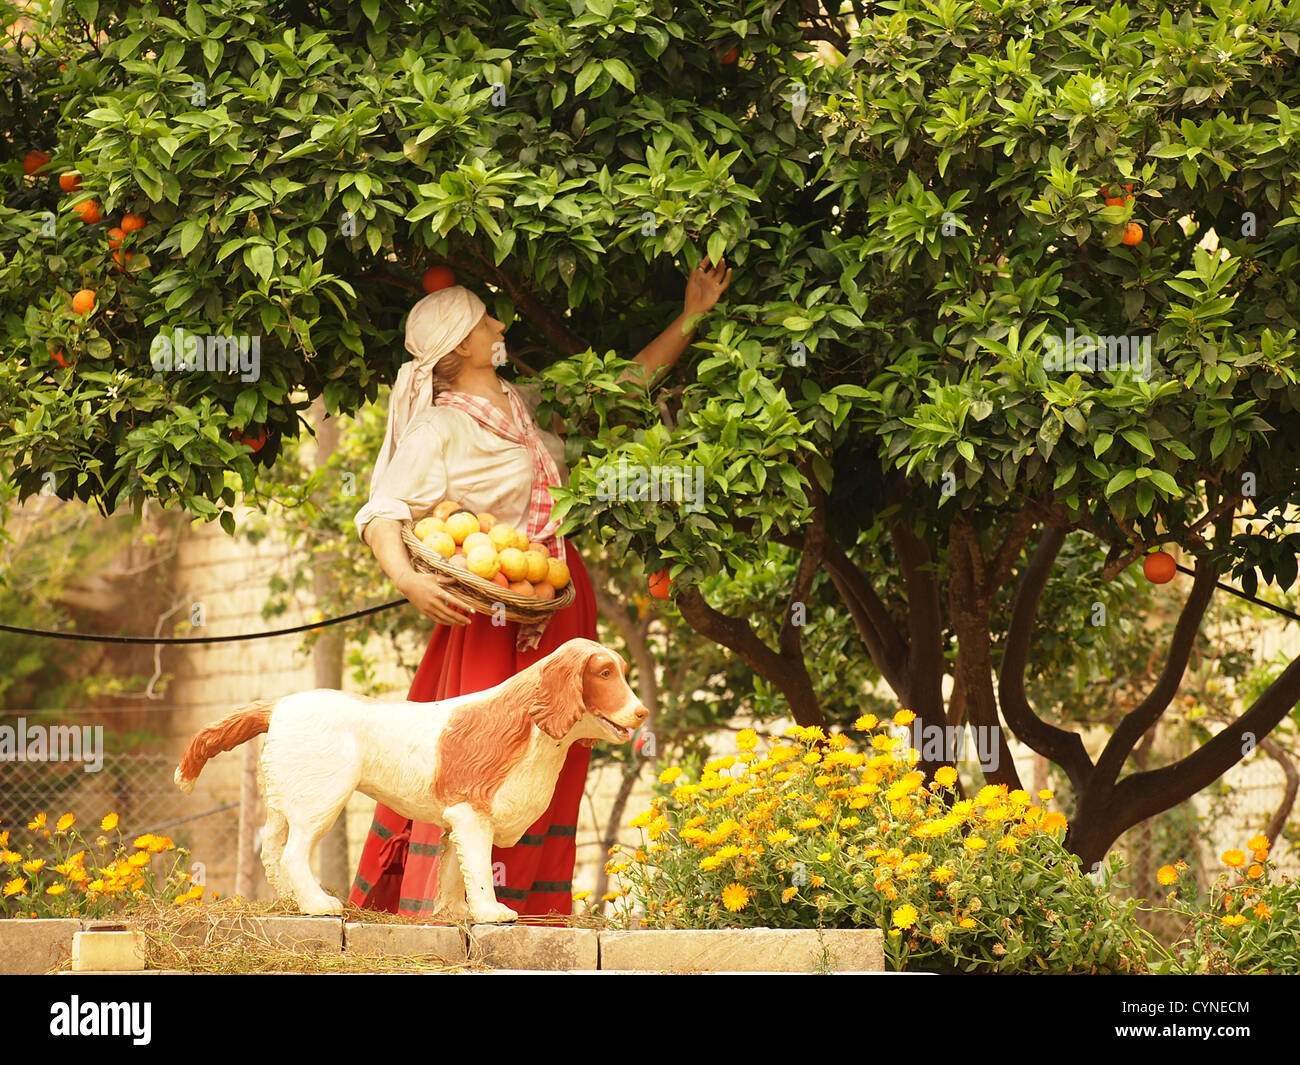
{"x": 138, "y": 787}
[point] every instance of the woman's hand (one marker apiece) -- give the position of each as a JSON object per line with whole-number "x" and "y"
{"x": 705, "y": 286}
{"x": 428, "y": 595}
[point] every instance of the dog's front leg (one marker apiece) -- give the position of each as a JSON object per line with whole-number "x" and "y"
{"x": 471, "y": 836}
{"x": 450, "y": 904}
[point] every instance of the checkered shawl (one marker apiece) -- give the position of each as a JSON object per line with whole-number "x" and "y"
{"x": 541, "y": 529}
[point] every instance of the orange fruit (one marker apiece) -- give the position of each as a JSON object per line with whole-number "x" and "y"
{"x": 255, "y": 443}
{"x": 35, "y": 160}
{"x": 728, "y": 57}
{"x": 485, "y": 522}
{"x": 543, "y": 591}
{"x": 500, "y": 578}
{"x": 460, "y": 525}
{"x": 132, "y": 222}
{"x": 1132, "y": 233}
{"x": 483, "y": 562}
{"x": 69, "y": 181}
{"x": 442, "y": 543}
{"x": 557, "y": 574}
{"x": 115, "y": 236}
{"x": 503, "y": 536}
{"x": 57, "y": 356}
{"x": 117, "y": 258}
{"x": 535, "y": 566}
{"x": 446, "y": 509}
{"x": 659, "y": 584}
{"x": 514, "y": 564}
{"x": 1159, "y": 567}
{"x": 437, "y": 277}
{"x": 521, "y": 588}
{"x": 477, "y": 539}
{"x": 84, "y": 301}
{"x": 89, "y": 211}
{"x": 533, "y": 545}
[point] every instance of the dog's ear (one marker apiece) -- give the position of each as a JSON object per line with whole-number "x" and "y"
{"x": 560, "y": 704}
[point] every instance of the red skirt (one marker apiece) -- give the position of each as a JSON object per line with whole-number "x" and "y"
{"x": 398, "y": 871}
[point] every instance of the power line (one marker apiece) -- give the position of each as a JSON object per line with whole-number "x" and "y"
{"x": 97, "y": 638}
{"x": 1249, "y": 598}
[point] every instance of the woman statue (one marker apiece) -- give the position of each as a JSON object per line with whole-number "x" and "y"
{"x": 457, "y": 431}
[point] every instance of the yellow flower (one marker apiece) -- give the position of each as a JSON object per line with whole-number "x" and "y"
{"x": 670, "y": 774}
{"x": 1019, "y": 797}
{"x": 904, "y": 717}
{"x": 821, "y": 780}
{"x": 1053, "y": 820}
{"x": 10, "y": 857}
{"x": 812, "y": 758}
{"x": 735, "y": 897}
{"x": 942, "y": 875}
{"x": 824, "y": 809}
{"x": 1234, "y": 859}
{"x": 945, "y": 776}
{"x": 781, "y": 835}
{"x": 579, "y": 896}
{"x": 142, "y": 842}
{"x": 849, "y": 822}
{"x": 642, "y": 819}
{"x": 789, "y": 893}
{"x": 4, "y": 838}
{"x": 609, "y": 896}
{"x": 1167, "y": 875}
{"x": 905, "y": 916}
{"x": 866, "y": 723}
{"x": 967, "y": 922}
{"x": 36, "y": 823}
{"x": 1255, "y": 872}
{"x": 15, "y": 887}
{"x": 1263, "y": 912}
{"x": 1045, "y": 795}
{"x": 728, "y": 852}
{"x": 109, "y": 823}
{"x": 747, "y": 739}
{"x": 1261, "y": 855}
{"x": 160, "y": 843}
{"x": 56, "y": 889}
{"x": 808, "y": 823}
{"x": 1258, "y": 843}
{"x": 35, "y": 865}
{"x": 975, "y": 843}
{"x": 707, "y": 865}
{"x": 64, "y": 823}
{"x": 1234, "y": 919}
{"x": 1008, "y": 844}
{"x": 989, "y": 794}
{"x": 138, "y": 859}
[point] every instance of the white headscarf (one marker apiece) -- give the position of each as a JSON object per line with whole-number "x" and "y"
{"x": 435, "y": 326}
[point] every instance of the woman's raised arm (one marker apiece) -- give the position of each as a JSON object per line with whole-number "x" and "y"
{"x": 703, "y": 290}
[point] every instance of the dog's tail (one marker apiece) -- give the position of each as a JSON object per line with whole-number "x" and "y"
{"x": 227, "y": 734}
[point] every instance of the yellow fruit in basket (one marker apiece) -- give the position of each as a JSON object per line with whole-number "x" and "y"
{"x": 521, "y": 588}
{"x": 537, "y": 568}
{"x": 486, "y": 521}
{"x": 484, "y": 562}
{"x": 521, "y": 541}
{"x": 425, "y": 526}
{"x": 503, "y": 535}
{"x": 446, "y": 509}
{"x": 442, "y": 543}
{"x": 513, "y": 564}
{"x": 543, "y": 591}
{"x": 460, "y": 525}
{"x": 459, "y": 561}
{"x": 539, "y": 548}
{"x": 557, "y": 574}
{"x": 478, "y": 539}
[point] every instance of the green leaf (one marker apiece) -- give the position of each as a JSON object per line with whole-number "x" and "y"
{"x": 1120, "y": 481}
{"x": 586, "y": 76}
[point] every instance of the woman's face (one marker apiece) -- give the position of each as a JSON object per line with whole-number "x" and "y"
{"x": 485, "y": 346}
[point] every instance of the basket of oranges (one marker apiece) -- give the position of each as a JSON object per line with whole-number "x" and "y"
{"x": 490, "y": 566}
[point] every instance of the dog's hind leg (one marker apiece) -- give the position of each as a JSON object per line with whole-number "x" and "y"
{"x": 296, "y": 863}
{"x": 450, "y": 904}
{"x": 274, "y": 834}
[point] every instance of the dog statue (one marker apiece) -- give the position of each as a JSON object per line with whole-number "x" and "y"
{"x": 482, "y": 766}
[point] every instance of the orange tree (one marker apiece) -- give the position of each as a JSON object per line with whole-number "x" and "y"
{"x": 899, "y": 463}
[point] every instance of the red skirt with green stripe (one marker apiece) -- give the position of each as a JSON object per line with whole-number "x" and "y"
{"x": 398, "y": 871}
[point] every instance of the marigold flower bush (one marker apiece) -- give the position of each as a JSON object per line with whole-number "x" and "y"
{"x": 1249, "y": 923}
{"x": 813, "y": 833}
{"x": 58, "y": 872}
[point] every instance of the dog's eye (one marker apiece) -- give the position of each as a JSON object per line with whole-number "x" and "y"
{"x": 605, "y": 674}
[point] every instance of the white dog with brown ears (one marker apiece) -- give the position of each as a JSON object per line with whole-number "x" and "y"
{"x": 482, "y": 766}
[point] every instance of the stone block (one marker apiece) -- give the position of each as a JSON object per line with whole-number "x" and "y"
{"x": 442, "y": 942}
{"x": 108, "y": 952}
{"x": 785, "y": 950}
{"x": 32, "y": 947}
{"x": 535, "y": 947}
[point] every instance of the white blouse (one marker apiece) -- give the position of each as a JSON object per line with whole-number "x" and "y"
{"x": 446, "y": 454}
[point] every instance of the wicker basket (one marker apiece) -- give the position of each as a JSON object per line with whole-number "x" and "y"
{"x": 473, "y": 593}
